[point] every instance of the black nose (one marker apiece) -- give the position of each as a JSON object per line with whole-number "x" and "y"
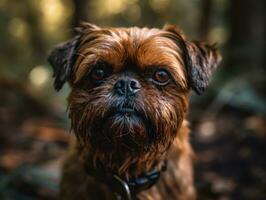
{"x": 127, "y": 86}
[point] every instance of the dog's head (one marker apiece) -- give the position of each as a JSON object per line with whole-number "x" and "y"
{"x": 130, "y": 85}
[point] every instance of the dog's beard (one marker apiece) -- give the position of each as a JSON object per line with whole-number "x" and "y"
{"x": 109, "y": 124}
{"x": 124, "y": 128}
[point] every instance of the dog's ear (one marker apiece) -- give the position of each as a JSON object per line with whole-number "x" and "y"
{"x": 62, "y": 57}
{"x": 201, "y": 59}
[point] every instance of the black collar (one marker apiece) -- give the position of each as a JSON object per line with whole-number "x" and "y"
{"x": 123, "y": 189}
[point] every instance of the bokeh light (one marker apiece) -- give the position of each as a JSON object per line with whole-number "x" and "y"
{"x": 54, "y": 13}
{"x": 39, "y": 75}
{"x": 17, "y": 27}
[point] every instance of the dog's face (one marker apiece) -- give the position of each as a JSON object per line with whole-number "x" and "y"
{"x": 129, "y": 85}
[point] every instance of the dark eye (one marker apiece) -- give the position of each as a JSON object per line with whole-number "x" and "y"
{"x": 161, "y": 77}
{"x": 98, "y": 74}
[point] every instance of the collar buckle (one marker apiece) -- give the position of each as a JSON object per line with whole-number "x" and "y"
{"x": 120, "y": 188}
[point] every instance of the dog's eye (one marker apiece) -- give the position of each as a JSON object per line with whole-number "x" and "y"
{"x": 161, "y": 77}
{"x": 98, "y": 74}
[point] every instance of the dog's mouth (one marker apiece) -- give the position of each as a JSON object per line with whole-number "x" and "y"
{"x": 125, "y": 112}
{"x": 127, "y": 119}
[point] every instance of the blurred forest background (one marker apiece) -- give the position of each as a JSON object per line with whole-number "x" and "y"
{"x": 228, "y": 122}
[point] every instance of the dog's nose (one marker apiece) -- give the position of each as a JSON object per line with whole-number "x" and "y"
{"x": 127, "y": 86}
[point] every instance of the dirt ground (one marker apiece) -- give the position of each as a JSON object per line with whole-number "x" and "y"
{"x": 230, "y": 147}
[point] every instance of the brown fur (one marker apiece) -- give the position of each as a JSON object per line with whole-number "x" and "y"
{"x": 129, "y": 146}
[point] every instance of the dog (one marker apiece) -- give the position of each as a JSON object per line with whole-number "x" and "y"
{"x": 129, "y": 98}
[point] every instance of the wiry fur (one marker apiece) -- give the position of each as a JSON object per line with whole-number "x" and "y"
{"x": 130, "y": 145}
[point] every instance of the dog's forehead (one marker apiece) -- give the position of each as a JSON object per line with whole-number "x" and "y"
{"x": 141, "y": 47}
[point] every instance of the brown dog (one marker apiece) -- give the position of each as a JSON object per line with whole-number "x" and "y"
{"x": 129, "y": 99}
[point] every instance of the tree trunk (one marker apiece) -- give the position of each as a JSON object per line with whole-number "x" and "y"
{"x": 81, "y": 12}
{"x": 204, "y": 24}
{"x": 247, "y": 34}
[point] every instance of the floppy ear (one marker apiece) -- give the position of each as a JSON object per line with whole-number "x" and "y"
{"x": 201, "y": 59}
{"x": 62, "y": 58}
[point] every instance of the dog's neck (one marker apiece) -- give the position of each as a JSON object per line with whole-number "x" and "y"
{"x": 133, "y": 165}
{"x": 126, "y": 165}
